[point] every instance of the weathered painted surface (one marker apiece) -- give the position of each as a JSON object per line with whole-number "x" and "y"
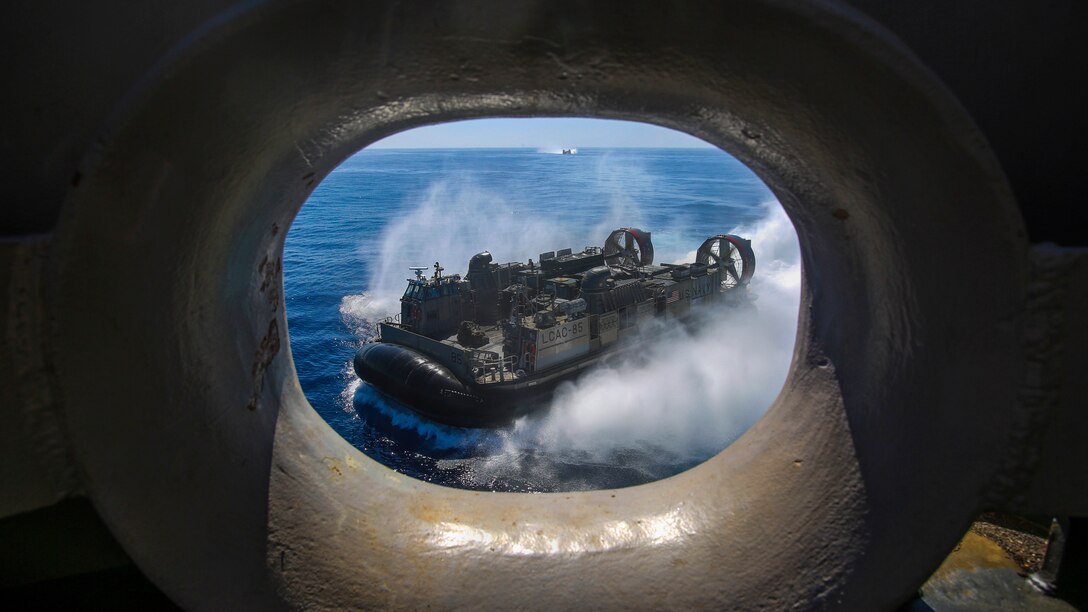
{"x": 929, "y": 378}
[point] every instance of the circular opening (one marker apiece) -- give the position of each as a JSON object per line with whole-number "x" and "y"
{"x": 692, "y": 365}
{"x": 166, "y": 243}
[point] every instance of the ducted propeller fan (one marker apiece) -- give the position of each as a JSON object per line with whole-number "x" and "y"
{"x": 628, "y": 247}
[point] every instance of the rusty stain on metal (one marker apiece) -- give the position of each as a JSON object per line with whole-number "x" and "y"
{"x": 270, "y": 271}
{"x": 333, "y": 466}
{"x": 266, "y": 352}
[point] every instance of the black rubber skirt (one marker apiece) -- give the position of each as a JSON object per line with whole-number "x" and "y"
{"x": 430, "y": 388}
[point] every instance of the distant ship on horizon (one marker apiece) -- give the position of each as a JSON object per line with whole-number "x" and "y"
{"x": 570, "y": 151}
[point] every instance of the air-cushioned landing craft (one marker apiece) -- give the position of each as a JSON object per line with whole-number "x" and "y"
{"x": 482, "y": 350}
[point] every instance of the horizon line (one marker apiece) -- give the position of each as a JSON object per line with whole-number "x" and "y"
{"x": 384, "y": 148}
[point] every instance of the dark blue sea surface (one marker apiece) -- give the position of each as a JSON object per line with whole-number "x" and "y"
{"x": 347, "y": 256}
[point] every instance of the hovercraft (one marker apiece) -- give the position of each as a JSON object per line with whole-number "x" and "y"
{"x": 484, "y": 349}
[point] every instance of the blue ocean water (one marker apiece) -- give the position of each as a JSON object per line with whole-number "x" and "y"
{"x": 347, "y": 256}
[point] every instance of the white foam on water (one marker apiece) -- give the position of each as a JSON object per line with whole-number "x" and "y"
{"x": 361, "y": 312}
{"x": 434, "y": 436}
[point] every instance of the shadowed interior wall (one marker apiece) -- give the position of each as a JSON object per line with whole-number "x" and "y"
{"x": 158, "y": 156}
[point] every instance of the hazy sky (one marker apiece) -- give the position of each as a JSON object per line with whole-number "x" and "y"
{"x": 539, "y": 133}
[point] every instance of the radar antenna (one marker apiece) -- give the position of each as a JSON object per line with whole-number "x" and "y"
{"x": 418, "y": 270}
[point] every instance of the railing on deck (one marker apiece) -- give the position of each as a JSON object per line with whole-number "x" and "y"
{"x": 393, "y": 320}
{"x": 487, "y": 366}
